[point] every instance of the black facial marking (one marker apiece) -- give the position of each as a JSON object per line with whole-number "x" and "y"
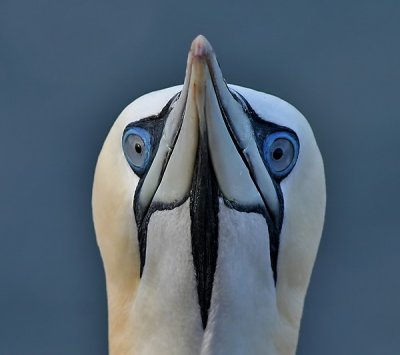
{"x": 155, "y": 126}
{"x": 204, "y": 196}
{"x": 261, "y": 129}
{"x": 204, "y": 209}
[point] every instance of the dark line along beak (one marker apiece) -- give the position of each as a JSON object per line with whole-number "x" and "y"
{"x": 208, "y": 141}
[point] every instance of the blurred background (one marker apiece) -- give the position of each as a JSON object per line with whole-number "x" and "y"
{"x": 68, "y": 68}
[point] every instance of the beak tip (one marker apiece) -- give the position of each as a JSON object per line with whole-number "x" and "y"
{"x": 201, "y": 47}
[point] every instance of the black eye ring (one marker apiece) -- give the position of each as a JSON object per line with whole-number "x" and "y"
{"x": 280, "y": 151}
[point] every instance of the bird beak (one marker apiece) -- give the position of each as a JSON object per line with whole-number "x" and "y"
{"x": 207, "y": 115}
{"x": 208, "y": 155}
{"x": 207, "y": 152}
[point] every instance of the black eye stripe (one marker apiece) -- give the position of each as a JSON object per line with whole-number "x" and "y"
{"x": 262, "y": 130}
{"x": 150, "y": 130}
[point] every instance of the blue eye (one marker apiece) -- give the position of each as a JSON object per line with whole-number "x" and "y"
{"x": 280, "y": 150}
{"x": 136, "y": 145}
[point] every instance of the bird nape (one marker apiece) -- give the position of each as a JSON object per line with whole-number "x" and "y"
{"x": 208, "y": 204}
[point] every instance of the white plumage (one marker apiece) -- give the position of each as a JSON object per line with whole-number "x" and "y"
{"x": 158, "y": 312}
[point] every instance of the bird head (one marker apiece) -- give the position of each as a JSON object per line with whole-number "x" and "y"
{"x": 208, "y": 204}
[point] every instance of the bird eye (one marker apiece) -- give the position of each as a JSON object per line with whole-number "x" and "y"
{"x": 280, "y": 152}
{"x": 136, "y": 147}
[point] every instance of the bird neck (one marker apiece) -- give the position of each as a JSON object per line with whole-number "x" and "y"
{"x": 160, "y": 313}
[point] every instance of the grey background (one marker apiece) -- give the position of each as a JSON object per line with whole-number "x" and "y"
{"x": 67, "y": 69}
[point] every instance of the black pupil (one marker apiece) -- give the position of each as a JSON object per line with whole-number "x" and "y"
{"x": 138, "y": 148}
{"x": 277, "y": 154}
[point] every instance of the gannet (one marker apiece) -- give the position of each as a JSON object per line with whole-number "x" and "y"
{"x": 208, "y": 205}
